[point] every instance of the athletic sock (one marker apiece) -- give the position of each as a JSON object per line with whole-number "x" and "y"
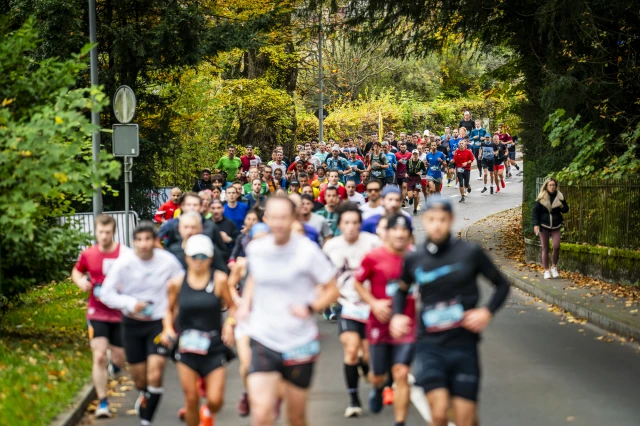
{"x": 364, "y": 367}
{"x": 153, "y": 400}
{"x": 142, "y": 410}
{"x": 389, "y": 382}
{"x": 351, "y": 377}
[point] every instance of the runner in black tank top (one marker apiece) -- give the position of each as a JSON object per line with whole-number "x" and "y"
{"x": 202, "y": 345}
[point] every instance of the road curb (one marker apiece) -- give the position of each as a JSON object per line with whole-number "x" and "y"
{"x": 73, "y": 415}
{"x": 592, "y": 316}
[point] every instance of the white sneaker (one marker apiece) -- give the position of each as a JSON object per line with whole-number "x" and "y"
{"x": 102, "y": 412}
{"x": 547, "y": 275}
{"x": 480, "y": 178}
{"x": 554, "y": 272}
{"x": 353, "y": 412}
{"x": 457, "y": 186}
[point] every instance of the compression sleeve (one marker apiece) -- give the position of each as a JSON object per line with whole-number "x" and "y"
{"x": 400, "y": 298}
{"x": 489, "y": 270}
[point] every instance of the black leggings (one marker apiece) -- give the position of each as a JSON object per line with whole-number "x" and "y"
{"x": 463, "y": 178}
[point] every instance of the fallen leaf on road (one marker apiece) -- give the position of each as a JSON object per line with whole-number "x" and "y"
{"x": 132, "y": 413}
{"x": 570, "y": 418}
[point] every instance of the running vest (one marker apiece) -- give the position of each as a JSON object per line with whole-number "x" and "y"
{"x": 414, "y": 168}
{"x": 199, "y": 309}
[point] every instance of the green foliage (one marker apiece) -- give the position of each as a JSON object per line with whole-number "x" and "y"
{"x": 402, "y": 112}
{"x": 591, "y": 152}
{"x": 45, "y": 158}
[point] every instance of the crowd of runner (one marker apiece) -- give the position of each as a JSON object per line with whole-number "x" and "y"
{"x": 241, "y": 265}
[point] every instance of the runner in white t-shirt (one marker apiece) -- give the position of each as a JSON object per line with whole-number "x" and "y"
{"x": 284, "y": 271}
{"x": 346, "y": 252}
{"x": 355, "y": 197}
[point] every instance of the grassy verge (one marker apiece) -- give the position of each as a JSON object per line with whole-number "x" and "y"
{"x": 44, "y": 354}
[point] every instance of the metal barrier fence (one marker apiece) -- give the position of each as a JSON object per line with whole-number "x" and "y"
{"x": 602, "y": 212}
{"x": 85, "y": 222}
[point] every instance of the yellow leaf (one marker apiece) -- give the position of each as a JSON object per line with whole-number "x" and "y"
{"x": 6, "y": 102}
{"x": 59, "y": 120}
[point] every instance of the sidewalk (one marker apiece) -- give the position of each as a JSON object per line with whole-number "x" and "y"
{"x": 608, "y": 311}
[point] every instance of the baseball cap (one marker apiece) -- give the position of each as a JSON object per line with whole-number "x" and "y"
{"x": 398, "y": 220}
{"x": 415, "y": 151}
{"x": 353, "y": 149}
{"x": 258, "y": 228}
{"x": 206, "y": 169}
{"x": 439, "y": 204}
{"x": 199, "y": 244}
{"x": 390, "y": 189}
{"x": 335, "y": 148}
{"x": 426, "y": 133}
{"x": 294, "y": 182}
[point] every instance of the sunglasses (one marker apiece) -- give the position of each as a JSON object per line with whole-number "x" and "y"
{"x": 373, "y": 190}
{"x": 200, "y": 256}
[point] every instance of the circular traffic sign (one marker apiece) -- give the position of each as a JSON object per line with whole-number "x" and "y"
{"x": 124, "y": 104}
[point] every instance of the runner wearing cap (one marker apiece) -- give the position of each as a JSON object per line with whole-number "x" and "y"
{"x": 337, "y": 163}
{"x": 136, "y": 284}
{"x": 357, "y": 167}
{"x": 415, "y": 168}
{"x": 392, "y": 204}
{"x": 445, "y": 270}
{"x": 382, "y": 267}
{"x": 202, "y": 345}
{"x": 435, "y": 161}
{"x": 285, "y": 270}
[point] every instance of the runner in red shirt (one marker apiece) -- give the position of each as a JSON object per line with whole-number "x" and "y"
{"x": 334, "y": 180}
{"x": 103, "y": 322}
{"x": 249, "y": 160}
{"x": 463, "y": 158}
{"x": 382, "y": 267}
{"x": 166, "y": 210}
{"x": 403, "y": 156}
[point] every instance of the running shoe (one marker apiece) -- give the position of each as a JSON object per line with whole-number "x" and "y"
{"x": 457, "y": 186}
{"x": 206, "y": 417}
{"x": 461, "y": 199}
{"x": 415, "y": 212}
{"x": 448, "y": 184}
{"x": 411, "y": 201}
{"x": 375, "y": 401}
{"x": 243, "y": 405}
{"x": 517, "y": 167}
{"x": 480, "y": 178}
{"x": 547, "y": 275}
{"x": 141, "y": 403}
{"x": 353, "y": 411}
{"x": 497, "y": 188}
{"x": 492, "y": 189}
{"x": 503, "y": 184}
{"x": 102, "y": 412}
{"x": 387, "y": 396}
{"x": 468, "y": 190}
{"x": 484, "y": 190}
{"x": 404, "y": 204}
{"x": 554, "y": 272}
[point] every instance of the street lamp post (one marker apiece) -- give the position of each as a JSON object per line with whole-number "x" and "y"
{"x": 321, "y": 94}
{"x": 95, "y": 115}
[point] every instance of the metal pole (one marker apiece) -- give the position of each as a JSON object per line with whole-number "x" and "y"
{"x": 95, "y": 115}
{"x": 321, "y": 97}
{"x": 128, "y": 164}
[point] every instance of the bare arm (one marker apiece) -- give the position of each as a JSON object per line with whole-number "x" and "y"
{"x": 222, "y": 291}
{"x": 168, "y": 332}
{"x": 80, "y": 280}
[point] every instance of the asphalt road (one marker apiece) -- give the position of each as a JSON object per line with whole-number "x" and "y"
{"x": 536, "y": 371}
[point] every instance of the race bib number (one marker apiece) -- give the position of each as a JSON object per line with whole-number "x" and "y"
{"x": 355, "y": 312}
{"x": 96, "y": 291}
{"x": 194, "y": 342}
{"x": 443, "y": 316}
{"x": 418, "y": 186}
{"x": 303, "y": 354}
{"x": 435, "y": 168}
{"x": 377, "y": 173}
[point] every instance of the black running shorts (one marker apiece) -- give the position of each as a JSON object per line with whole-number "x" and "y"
{"x": 111, "y": 330}
{"x": 141, "y": 339}
{"x": 345, "y": 325}
{"x": 455, "y": 369}
{"x": 383, "y": 356}
{"x": 265, "y": 360}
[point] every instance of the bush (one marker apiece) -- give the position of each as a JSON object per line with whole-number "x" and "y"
{"x": 45, "y": 159}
